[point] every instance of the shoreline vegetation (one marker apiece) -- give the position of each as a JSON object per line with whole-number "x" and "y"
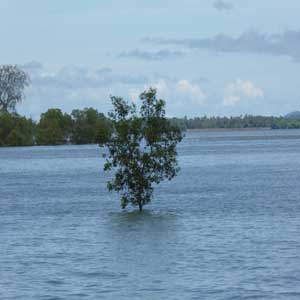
{"x": 88, "y": 126}
{"x": 228, "y": 129}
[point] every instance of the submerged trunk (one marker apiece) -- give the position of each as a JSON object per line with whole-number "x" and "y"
{"x": 3, "y": 107}
{"x": 140, "y": 206}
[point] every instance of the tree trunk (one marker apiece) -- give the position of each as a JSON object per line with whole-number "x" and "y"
{"x": 140, "y": 206}
{"x": 4, "y": 108}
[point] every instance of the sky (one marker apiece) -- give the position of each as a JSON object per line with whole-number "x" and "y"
{"x": 208, "y": 57}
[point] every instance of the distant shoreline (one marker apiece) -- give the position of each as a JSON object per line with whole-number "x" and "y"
{"x": 229, "y": 129}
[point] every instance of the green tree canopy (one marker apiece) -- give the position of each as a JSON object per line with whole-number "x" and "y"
{"x": 141, "y": 148}
{"x": 54, "y": 128}
{"x": 90, "y": 126}
{"x": 16, "y": 130}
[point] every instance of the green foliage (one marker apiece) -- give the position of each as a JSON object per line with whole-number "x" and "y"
{"x": 90, "y": 126}
{"x": 86, "y": 126}
{"x": 54, "y": 128}
{"x": 12, "y": 84}
{"x": 246, "y": 121}
{"x": 142, "y": 148}
{"x": 16, "y": 130}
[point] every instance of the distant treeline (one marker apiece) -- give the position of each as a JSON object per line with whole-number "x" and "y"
{"x": 246, "y": 121}
{"x": 88, "y": 126}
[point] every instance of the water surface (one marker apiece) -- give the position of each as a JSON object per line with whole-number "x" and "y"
{"x": 226, "y": 228}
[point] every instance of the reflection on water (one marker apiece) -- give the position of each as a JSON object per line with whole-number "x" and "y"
{"x": 226, "y": 228}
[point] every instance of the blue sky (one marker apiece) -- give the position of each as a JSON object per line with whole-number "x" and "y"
{"x": 210, "y": 57}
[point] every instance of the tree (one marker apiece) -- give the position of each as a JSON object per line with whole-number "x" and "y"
{"x": 54, "y": 128}
{"x": 89, "y": 126}
{"x": 16, "y": 130}
{"x": 142, "y": 148}
{"x": 12, "y": 84}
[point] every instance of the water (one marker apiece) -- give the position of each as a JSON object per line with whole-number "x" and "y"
{"x": 226, "y": 228}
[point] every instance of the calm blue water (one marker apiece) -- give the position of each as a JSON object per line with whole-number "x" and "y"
{"x": 228, "y": 227}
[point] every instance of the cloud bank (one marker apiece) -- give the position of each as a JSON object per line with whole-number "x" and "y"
{"x": 74, "y": 77}
{"x": 151, "y": 56}
{"x": 286, "y": 43}
{"x": 70, "y": 87}
{"x": 222, "y": 5}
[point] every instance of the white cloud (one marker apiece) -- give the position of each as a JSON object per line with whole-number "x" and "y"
{"x": 134, "y": 94}
{"x": 162, "y": 87}
{"x": 179, "y": 92}
{"x": 235, "y": 92}
{"x": 231, "y": 100}
{"x": 246, "y": 87}
{"x": 193, "y": 91}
